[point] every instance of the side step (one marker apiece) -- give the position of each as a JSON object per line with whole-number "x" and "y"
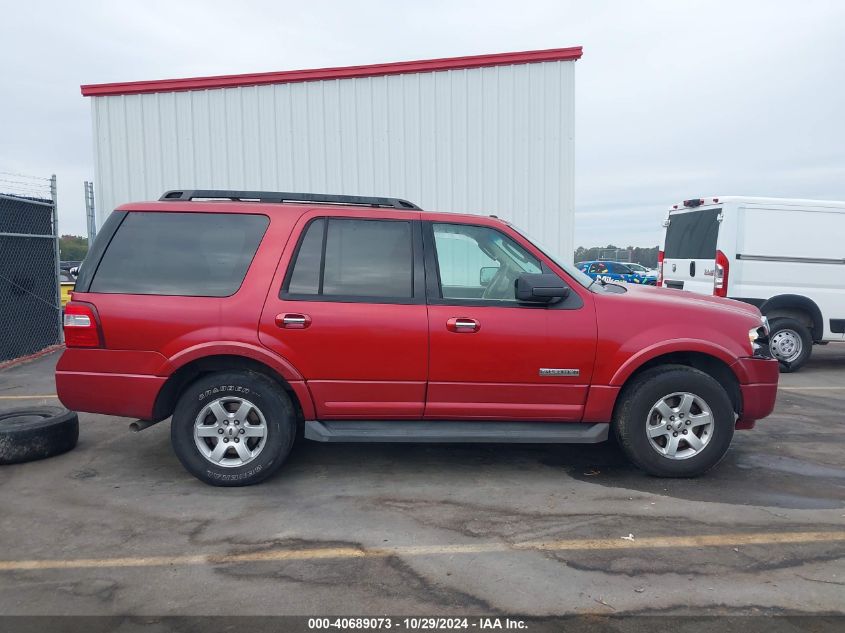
{"x": 448, "y": 431}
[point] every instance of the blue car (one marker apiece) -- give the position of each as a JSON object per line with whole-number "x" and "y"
{"x": 618, "y": 271}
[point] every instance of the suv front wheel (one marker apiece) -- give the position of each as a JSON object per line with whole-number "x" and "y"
{"x": 233, "y": 428}
{"x": 674, "y": 421}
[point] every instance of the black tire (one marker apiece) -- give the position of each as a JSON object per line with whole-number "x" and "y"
{"x": 631, "y": 419}
{"x": 36, "y": 433}
{"x": 272, "y": 403}
{"x": 795, "y": 328}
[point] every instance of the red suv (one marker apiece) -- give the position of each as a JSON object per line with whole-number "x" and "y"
{"x": 246, "y": 314}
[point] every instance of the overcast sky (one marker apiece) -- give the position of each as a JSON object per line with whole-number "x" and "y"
{"x": 674, "y": 99}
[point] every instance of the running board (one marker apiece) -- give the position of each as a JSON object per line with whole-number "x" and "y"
{"x": 448, "y": 431}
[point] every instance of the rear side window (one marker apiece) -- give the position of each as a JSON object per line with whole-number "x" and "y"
{"x": 185, "y": 254}
{"x": 692, "y": 235}
{"x": 351, "y": 258}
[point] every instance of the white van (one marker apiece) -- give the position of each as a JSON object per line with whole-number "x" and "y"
{"x": 787, "y": 257}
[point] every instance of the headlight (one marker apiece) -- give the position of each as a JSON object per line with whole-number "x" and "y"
{"x": 753, "y": 335}
{"x": 759, "y": 339}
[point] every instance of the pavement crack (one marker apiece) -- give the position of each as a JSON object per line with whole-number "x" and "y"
{"x": 827, "y": 582}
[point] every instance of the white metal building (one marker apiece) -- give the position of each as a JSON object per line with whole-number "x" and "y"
{"x": 490, "y": 134}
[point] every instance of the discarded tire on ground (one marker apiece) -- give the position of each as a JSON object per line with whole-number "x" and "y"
{"x": 36, "y": 433}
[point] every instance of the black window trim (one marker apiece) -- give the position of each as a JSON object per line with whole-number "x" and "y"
{"x": 434, "y": 292}
{"x": 418, "y": 274}
{"x": 91, "y": 262}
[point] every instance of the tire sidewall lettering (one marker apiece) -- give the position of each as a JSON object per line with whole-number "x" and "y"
{"x": 224, "y": 389}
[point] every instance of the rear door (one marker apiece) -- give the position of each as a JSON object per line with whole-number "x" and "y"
{"x": 689, "y": 249}
{"x": 347, "y": 309}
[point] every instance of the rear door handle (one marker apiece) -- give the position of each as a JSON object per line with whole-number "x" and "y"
{"x": 293, "y": 321}
{"x": 462, "y": 325}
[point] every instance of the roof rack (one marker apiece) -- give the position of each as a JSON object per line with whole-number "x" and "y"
{"x": 283, "y": 196}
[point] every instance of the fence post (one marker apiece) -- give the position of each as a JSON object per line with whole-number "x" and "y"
{"x": 89, "y": 212}
{"x": 57, "y": 256}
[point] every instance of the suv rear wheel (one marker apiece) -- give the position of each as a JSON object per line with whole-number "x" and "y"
{"x": 674, "y": 421}
{"x": 233, "y": 428}
{"x": 790, "y": 342}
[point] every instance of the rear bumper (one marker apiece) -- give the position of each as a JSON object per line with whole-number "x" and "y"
{"x": 97, "y": 381}
{"x": 759, "y": 388}
{"x": 126, "y": 395}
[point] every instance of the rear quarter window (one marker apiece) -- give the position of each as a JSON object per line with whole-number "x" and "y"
{"x": 184, "y": 254}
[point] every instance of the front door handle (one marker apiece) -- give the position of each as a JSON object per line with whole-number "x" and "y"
{"x": 462, "y": 325}
{"x": 293, "y": 321}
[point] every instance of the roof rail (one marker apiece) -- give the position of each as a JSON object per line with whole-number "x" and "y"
{"x": 283, "y": 196}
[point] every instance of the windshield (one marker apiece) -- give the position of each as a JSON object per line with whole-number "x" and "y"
{"x": 692, "y": 235}
{"x": 572, "y": 271}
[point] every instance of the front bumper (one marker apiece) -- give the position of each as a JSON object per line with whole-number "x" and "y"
{"x": 758, "y": 388}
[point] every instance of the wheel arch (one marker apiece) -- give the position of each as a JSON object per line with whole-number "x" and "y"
{"x": 798, "y": 307}
{"x": 200, "y": 366}
{"x": 715, "y": 367}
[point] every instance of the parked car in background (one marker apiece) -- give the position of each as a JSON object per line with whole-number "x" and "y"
{"x": 618, "y": 271}
{"x": 786, "y": 257}
{"x": 244, "y": 315}
{"x": 67, "y": 283}
{"x": 644, "y": 270}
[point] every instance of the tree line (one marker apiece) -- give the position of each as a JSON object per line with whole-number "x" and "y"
{"x": 72, "y": 248}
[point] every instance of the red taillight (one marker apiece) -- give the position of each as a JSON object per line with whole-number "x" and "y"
{"x": 81, "y": 327}
{"x": 659, "y": 268}
{"x": 720, "y": 275}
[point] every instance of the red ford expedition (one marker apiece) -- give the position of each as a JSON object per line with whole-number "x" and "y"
{"x": 245, "y": 314}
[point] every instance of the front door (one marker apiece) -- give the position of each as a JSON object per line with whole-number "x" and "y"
{"x": 348, "y": 312}
{"x": 490, "y": 356}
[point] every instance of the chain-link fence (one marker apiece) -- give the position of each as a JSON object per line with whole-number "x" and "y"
{"x": 30, "y": 293}
{"x": 615, "y": 254}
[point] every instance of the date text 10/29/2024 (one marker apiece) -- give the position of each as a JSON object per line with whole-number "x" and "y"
{"x": 416, "y": 623}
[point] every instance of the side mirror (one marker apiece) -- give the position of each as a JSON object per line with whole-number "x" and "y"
{"x": 542, "y": 288}
{"x": 486, "y": 274}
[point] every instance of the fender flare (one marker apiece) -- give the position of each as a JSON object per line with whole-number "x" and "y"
{"x": 667, "y": 347}
{"x": 232, "y": 348}
{"x": 799, "y": 302}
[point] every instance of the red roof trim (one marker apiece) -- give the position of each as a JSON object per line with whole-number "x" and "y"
{"x": 346, "y": 72}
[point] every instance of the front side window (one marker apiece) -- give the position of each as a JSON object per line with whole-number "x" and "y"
{"x": 184, "y": 254}
{"x": 353, "y": 258}
{"x": 479, "y": 263}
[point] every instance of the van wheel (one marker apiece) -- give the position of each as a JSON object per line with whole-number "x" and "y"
{"x": 674, "y": 421}
{"x": 790, "y": 342}
{"x": 233, "y": 428}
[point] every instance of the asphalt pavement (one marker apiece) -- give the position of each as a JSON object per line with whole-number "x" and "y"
{"x": 116, "y": 526}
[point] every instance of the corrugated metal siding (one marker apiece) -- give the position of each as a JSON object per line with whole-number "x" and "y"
{"x": 495, "y": 140}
